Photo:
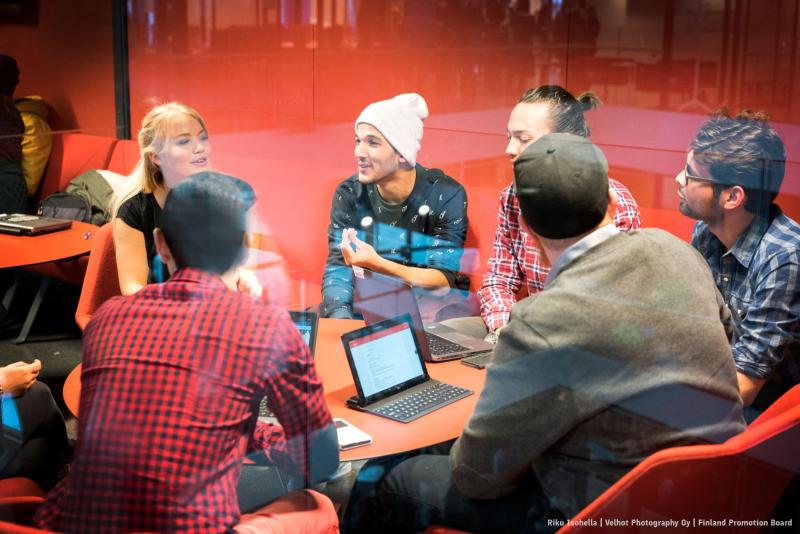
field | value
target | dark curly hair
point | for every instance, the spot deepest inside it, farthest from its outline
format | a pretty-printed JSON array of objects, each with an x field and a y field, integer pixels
[
  {"x": 745, "y": 151},
  {"x": 566, "y": 111}
]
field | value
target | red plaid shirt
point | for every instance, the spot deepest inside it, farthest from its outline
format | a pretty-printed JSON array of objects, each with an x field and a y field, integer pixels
[
  {"x": 516, "y": 255},
  {"x": 171, "y": 382}
]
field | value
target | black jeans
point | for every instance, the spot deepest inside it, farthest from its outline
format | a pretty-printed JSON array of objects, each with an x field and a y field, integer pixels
[
  {"x": 34, "y": 443},
  {"x": 400, "y": 494}
]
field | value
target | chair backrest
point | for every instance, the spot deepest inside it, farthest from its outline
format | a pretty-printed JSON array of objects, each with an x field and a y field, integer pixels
[
  {"x": 101, "y": 281},
  {"x": 124, "y": 157},
  {"x": 741, "y": 480},
  {"x": 74, "y": 154},
  {"x": 19, "y": 499},
  {"x": 8, "y": 527},
  {"x": 786, "y": 401},
  {"x": 19, "y": 487}
]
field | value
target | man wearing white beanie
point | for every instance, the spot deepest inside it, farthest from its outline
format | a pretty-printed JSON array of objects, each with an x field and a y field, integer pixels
[{"x": 393, "y": 216}]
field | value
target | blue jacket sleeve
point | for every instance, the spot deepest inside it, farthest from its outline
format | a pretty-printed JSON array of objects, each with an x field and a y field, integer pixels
[{"x": 337, "y": 281}]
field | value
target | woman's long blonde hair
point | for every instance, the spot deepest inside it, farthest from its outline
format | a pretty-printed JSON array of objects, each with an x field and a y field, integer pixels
[{"x": 155, "y": 131}]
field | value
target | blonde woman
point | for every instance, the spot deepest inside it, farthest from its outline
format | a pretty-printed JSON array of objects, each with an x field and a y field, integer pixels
[{"x": 174, "y": 145}]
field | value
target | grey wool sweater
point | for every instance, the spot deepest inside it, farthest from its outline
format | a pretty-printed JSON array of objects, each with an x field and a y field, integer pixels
[{"x": 623, "y": 354}]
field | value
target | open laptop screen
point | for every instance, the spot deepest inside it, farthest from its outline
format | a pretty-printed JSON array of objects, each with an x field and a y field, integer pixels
[{"x": 384, "y": 358}]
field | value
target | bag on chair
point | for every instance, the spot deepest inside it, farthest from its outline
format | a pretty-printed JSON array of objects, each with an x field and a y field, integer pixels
[{"x": 66, "y": 206}]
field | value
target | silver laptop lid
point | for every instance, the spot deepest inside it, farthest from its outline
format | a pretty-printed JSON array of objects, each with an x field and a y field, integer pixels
[{"x": 379, "y": 297}]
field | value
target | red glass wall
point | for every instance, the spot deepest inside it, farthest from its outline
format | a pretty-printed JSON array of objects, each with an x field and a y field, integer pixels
[{"x": 281, "y": 81}]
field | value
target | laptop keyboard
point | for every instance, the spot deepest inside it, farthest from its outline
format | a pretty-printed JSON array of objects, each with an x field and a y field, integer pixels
[
  {"x": 439, "y": 345},
  {"x": 422, "y": 402}
]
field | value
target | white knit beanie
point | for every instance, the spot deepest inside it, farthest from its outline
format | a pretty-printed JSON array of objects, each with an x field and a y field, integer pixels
[{"x": 399, "y": 119}]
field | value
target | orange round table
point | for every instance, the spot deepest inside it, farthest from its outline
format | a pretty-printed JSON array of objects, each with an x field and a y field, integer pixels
[
  {"x": 19, "y": 251},
  {"x": 388, "y": 437}
]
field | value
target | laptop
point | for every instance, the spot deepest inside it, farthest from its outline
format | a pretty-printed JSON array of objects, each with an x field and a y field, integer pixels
[
  {"x": 22, "y": 224},
  {"x": 390, "y": 374},
  {"x": 378, "y": 297},
  {"x": 306, "y": 323}
]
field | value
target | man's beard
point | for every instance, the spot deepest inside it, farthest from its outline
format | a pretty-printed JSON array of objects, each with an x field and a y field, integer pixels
[
  {"x": 687, "y": 210},
  {"x": 710, "y": 214}
]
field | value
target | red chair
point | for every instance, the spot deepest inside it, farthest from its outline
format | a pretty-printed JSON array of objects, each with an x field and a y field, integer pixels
[
  {"x": 19, "y": 499},
  {"x": 101, "y": 281},
  {"x": 100, "y": 284},
  {"x": 74, "y": 154},
  {"x": 19, "y": 486},
  {"x": 7, "y": 527},
  {"x": 124, "y": 157},
  {"x": 741, "y": 479},
  {"x": 785, "y": 403},
  {"x": 299, "y": 511}
]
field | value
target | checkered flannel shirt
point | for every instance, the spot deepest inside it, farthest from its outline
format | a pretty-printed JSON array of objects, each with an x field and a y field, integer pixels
[
  {"x": 759, "y": 278},
  {"x": 171, "y": 382},
  {"x": 516, "y": 256}
]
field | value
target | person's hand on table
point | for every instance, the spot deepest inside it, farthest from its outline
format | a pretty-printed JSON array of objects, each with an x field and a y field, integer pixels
[
  {"x": 18, "y": 377},
  {"x": 363, "y": 255},
  {"x": 491, "y": 337}
]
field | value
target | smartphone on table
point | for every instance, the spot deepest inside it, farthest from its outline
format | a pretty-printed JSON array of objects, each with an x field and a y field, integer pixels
[{"x": 350, "y": 436}]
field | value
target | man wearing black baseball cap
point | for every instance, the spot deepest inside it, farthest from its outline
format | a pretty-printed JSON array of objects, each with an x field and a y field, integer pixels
[{"x": 622, "y": 354}]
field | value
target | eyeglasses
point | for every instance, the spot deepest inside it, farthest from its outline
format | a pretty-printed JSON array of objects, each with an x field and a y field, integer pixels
[{"x": 689, "y": 176}]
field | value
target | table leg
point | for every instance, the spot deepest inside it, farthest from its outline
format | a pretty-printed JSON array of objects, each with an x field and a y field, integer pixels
[
  {"x": 11, "y": 291},
  {"x": 33, "y": 310}
]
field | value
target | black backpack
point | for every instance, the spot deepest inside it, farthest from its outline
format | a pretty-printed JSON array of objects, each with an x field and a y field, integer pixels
[{"x": 66, "y": 206}]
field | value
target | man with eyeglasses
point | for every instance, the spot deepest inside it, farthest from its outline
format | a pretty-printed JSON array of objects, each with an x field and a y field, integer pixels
[{"x": 733, "y": 173}]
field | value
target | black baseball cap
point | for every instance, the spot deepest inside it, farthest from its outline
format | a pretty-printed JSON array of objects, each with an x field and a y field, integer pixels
[{"x": 561, "y": 181}]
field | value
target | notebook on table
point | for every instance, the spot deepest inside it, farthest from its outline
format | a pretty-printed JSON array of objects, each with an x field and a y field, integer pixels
[
  {"x": 390, "y": 374},
  {"x": 22, "y": 224},
  {"x": 378, "y": 297}
]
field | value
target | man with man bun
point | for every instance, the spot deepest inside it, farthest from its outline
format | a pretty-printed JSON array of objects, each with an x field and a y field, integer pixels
[
  {"x": 516, "y": 259},
  {"x": 393, "y": 216}
]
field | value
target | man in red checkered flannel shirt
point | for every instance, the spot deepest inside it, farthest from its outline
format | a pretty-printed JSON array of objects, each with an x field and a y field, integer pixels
[
  {"x": 171, "y": 383},
  {"x": 516, "y": 257}
]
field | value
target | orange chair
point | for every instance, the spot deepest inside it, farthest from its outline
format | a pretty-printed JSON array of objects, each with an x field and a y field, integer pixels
[{"x": 101, "y": 281}]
